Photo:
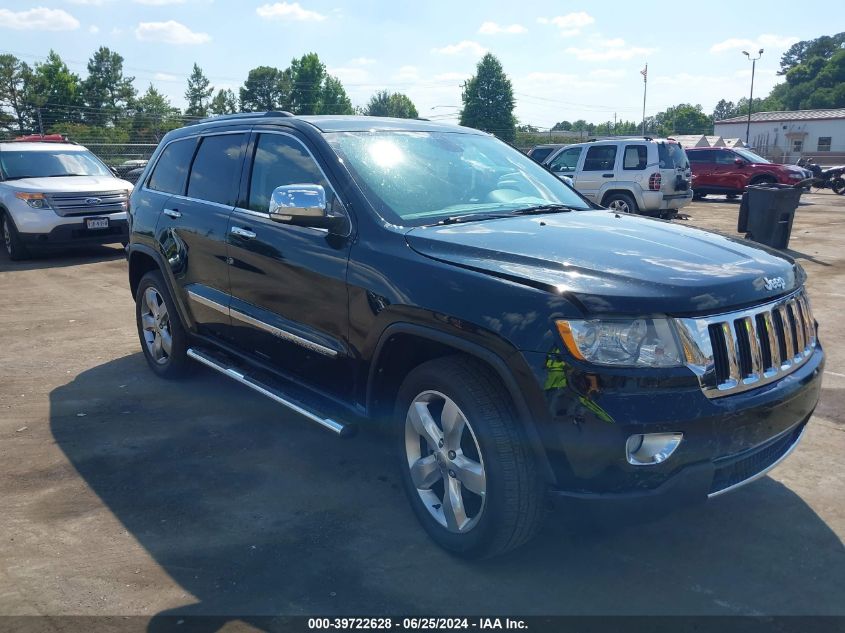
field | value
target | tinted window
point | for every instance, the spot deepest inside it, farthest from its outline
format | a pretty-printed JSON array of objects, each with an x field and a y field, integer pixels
[
  {"x": 567, "y": 160},
  {"x": 539, "y": 154},
  {"x": 600, "y": 158},
  {"x": 701, "y": 156},
  {"x": 281, "y": 160},
  {"x": 217, "y": 169},
  {"x": 636, "y": 157},
  {"x": 171, "y": 170},
  {"x": 725, "y": 158}
]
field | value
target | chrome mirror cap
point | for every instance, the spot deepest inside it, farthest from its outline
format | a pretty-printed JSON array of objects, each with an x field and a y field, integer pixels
[{"x": 292, "y": 201}]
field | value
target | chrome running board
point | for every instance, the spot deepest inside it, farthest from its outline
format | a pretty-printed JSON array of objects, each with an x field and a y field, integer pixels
[{"x": 340, "y": 428}]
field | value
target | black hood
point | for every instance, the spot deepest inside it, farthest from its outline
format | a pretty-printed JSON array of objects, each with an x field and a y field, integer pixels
[{"x": 614, "y": 263}]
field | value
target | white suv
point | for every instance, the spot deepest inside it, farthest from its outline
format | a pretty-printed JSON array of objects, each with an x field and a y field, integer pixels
[
  {"x": 56, "y": 194},
  {"x": 631, "y": 175}
]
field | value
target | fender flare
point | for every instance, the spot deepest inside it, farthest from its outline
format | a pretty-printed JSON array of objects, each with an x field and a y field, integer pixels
[
  {"x": 493, "y": 359},
  {"x": 182, "y": 309}
]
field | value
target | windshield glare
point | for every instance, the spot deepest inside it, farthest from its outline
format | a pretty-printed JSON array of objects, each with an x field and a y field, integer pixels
[
  {"x": 415, "y": 178},
  {"x": 750, "y": 156},
  {"x": 47, "y": 163}
]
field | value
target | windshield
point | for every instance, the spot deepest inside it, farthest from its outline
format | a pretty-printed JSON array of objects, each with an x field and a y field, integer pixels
[
  {"x": 48, "y": 163},
  {"x": 415, "y": 178},
  {"x": 751, "y": 156}
]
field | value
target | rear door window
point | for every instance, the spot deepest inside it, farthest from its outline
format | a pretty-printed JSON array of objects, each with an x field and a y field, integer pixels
[
  {"x": 636, "y": 157},
  {"x": 216, "y": 171},
  {"x": 171, "y": 170},
  {"x": 600, "y": 158}
]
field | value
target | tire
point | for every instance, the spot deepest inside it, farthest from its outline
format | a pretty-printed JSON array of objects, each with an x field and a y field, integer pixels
[
  {"x": 763, "y": 180},
  {"x": 621, "y": 203},
  {"x": 158, "y": 321},
  {"x": 490, "y": 455},
  {"x": 699, "y": 196},
  {"x": 838, "y": 186},
  {"x": 15, "y": 247},
  {"x": 733, "y": 196}
]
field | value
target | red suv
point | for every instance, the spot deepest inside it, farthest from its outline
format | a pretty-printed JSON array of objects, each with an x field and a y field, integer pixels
[{"x": 730, "y": 171}]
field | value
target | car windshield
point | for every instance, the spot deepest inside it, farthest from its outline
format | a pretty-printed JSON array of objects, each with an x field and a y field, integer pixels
[
  {"x": 751, "y": 156},
  {"x": 416, "y": 178},
  {"x": 44, "y": 163}
]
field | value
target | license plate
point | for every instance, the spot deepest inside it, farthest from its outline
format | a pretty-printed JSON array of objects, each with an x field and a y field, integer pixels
[{"x": 97, "y": 223}]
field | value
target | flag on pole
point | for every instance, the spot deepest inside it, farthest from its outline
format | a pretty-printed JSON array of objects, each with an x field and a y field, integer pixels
[{"x": 644, "y": 73}]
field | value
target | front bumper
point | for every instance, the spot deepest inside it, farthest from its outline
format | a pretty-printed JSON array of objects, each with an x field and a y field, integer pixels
[
  {"x": 727, "y": 441},
  {"x": 70, "y": 233}
]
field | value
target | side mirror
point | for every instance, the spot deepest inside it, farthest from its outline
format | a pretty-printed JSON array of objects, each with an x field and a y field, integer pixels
[
  {"x": 739, "y": 162},
  {"x": 114, "y": 171},
  {"x": 303, "y": 205}
]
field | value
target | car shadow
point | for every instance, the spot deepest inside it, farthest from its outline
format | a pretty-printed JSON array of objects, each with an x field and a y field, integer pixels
[
  {"x": 255, "y": 512},
  {"x": 61, "y": 258}
]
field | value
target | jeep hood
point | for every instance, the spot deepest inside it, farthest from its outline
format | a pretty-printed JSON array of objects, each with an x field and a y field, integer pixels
[
  {"x": 614, "y": 263},
  {"x": 69, "y": 184}
]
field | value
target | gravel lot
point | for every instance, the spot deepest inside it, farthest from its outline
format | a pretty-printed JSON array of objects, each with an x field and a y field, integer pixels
[{"x": 126, "y": 495}]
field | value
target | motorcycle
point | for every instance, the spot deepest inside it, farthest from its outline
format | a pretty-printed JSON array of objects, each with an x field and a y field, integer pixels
[{"x": 830, "y": 178}]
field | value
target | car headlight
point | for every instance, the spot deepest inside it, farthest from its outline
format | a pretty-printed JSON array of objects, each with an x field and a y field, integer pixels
[
  {"x": 35, "y": 200},
  {"x": 639, "y": 342}
]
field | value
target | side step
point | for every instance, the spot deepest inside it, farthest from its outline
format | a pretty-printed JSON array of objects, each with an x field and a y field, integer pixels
[{"x": 340, "y": 428}]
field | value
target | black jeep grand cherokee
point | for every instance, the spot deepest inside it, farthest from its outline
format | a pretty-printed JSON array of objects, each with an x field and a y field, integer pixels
[{"x": 516, "y": 339}]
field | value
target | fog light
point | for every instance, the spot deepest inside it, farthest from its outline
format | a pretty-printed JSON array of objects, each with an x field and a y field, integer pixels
[{"x": 651, "y": 448}]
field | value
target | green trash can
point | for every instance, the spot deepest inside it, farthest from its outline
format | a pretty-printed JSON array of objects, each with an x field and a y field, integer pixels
[{"x": 767, "y": 212}]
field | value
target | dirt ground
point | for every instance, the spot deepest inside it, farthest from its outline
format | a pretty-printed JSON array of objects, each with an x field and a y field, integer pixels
[{"x": 124, "y": 494}]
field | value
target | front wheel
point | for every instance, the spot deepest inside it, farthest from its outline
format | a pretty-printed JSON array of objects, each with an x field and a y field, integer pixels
[
  {"x": 469, "y": 474},
  {"x": 15, "y": 247},
  {"x": 163, "y": 339},
  {"x": 838, "y": 186}
]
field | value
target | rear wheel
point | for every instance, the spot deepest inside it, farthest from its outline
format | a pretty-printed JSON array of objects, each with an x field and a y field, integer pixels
[
  {"x": 15, "y": 248},
  {"x": 838, "y": 186},
  {"x": 471, "y": 479},
  {"x": 621, "y": 203},
  {"x": 163, "y": 339}
]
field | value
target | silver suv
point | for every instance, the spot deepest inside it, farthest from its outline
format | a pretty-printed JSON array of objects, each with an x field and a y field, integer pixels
[
  {"x": 57, "y": 194},
  {"x": 631, "y": 175}
]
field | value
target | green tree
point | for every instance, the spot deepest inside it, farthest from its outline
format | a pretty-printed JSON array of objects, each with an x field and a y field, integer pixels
[
  {"x": 15, "y": 86},
  {"x": 333, "y": 97},
  {"x": 266, "y": 88},
  {"x": 56, "y": 92},
  {"x": 725, "y": 110},
  {"x": 561, "y": 126},
  {"x": 154, "y": 115},
  {"x": 396, "y": 104},
  {"x": 488, "y": 100},
  {"x": 224, "y": 102},
  {"x": 106, "y": 92},
  {"x": 198, "y": 94},
  {"x": 683, "y": 118},
  {"x": 825, "y": 47},
  {"x": 307, "y": 74}
]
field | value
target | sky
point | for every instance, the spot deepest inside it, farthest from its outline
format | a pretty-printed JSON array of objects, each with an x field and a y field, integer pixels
[{"x": 567, "y": 60}]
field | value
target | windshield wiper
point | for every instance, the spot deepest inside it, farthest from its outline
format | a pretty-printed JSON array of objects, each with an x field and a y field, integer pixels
[
  {"x": 474, "y": 217},
  {"x": 63, "y": 175},
  {"x": 545, "y": 208},
  {"x": 19, "y": 177}
]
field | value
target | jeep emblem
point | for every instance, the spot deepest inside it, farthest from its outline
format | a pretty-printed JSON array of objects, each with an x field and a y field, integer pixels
[
  {"x": 775, "y": 283},
  {"x": 93, "y": 201}
]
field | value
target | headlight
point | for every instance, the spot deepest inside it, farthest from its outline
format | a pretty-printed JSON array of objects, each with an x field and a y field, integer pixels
[
  {"x": 622, "y": 342},
  {"x": 35, "y": 200}
]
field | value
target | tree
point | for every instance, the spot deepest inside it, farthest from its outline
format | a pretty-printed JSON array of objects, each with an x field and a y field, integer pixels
[
  {"x": 307, "y": 74},
  {"x": 154, "y": 115},
  {"x": 725, "y": 110},
  {"x": 396, "y": 104},
  {"x": 333, "y": 97},
  {"x": 224, "y": 102},
  {"x": 683, "y": 118},
  {"x": 56, "y": 91},
  {"x": 198, "y": 94},
  {"x": 15, "y": 85},
  {"x": 561, "y": 126},
  {"x": 106, "y": 92},
  {"x": 825, "y": 47},
  {"x": 488, "y": 100},
  {"x": 266, "y": 88}
]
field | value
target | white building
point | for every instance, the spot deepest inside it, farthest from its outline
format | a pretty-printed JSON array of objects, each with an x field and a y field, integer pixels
[{"x": 787, "y": 136}]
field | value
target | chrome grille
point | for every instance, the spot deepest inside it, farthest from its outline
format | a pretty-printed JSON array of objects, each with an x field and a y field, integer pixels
[
  {"x": 73, "y": 204},
  {"x": 742, "y": 350}
]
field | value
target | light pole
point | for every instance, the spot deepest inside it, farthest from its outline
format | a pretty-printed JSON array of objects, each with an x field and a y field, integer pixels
[{"x": 751, "y": 98}]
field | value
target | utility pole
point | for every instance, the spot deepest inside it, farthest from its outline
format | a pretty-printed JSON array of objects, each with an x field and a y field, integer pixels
[
  {"x": 644, "y": 73},
  {"x": 751, "y": 97}
]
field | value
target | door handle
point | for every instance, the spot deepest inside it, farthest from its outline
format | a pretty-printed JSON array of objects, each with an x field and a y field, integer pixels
[
  {"x": 173, "y": 213},
  {"x": 240, "y": 232},
  {"x": 607, "y": 175}
]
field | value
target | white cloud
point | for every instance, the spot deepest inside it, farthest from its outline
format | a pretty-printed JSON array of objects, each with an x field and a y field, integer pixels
[
  {"x": 288, "y": 11},
  {"x": 571, "y": 23},
  {"x": 609, "y": 50},
  {"x": 38, "y": 19},
  {"x": 349, "y": 75},
  {"x": 451, "y": 76},
  {"x": 778, "y": 42},
  {"x": 165, "y": 77},
  {"x": 158, "y": 3},
  {"x": 464, "y": 46},
  {"x": 96, "y": 3},
  {"x": 492, "y": 28},
  {"x": 362, "y": 61},
  {"x": 170, "y": 32},
  {"x": 407, "y": 73},
  {"x": 94, "y": 29},
  {"x": 607, "y": 73}
]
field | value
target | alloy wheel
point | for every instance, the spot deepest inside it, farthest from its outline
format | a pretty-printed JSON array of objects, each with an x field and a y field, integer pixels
[
  {"x": 7, "y": 235},
  {"x": 619, "y": 206},
  {"x": 445, "y": 461},
  {"x": 155, "y": 321}
]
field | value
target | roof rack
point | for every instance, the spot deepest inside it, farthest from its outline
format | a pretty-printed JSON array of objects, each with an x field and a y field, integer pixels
[{"x": 245, "y": 115}]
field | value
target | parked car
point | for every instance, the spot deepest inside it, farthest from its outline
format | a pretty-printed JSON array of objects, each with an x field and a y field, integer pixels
[
  {"x": 540, "y": 152},
  {"x": 516, "y": 341},
  {"x": 722, "y": 170},
  {"x": 57, "y": 193},
  {"x": 633, "y": 175}
]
